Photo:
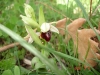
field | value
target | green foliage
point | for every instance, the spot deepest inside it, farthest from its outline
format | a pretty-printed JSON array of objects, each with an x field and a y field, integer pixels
[
  {"x": 10, "y": 13},
  {"x": 16, "y": 70},
  {"x": 10, "y": 72},
  {"x": 52, "y": 58},
  {"x": 37, "y": 64},
  {"x": 7, "y": 72},
  {"x": 4, "y": 63}
]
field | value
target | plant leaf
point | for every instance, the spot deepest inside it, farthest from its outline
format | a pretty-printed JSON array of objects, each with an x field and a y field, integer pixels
[
  {"x": 37, "y": 64},
  {"x": 7, "y": 72},
  {"x": 16, "y": 70}
]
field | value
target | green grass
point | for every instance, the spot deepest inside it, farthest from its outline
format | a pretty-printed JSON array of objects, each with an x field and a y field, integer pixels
[{"x": 54, "y": 56}]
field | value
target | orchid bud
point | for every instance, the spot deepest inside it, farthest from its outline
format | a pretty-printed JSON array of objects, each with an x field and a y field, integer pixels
[
  {"x": 29, "y": 21},
  {"x": 29, "y": 11}
]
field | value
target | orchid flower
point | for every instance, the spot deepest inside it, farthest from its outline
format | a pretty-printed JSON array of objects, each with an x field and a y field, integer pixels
[{"x": 44, "y": 29}]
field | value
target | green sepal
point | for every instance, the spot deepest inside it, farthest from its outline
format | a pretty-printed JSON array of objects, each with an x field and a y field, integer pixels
[
  {"x": 30, "y": 21},
  {"x": 41, "y": 16}
]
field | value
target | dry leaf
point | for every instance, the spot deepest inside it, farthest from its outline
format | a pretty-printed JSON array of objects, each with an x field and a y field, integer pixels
[
  {"x": 87, "y": 48},
  {"x": 73, "y": 27},
  {"x": 87, "y": 45},
  {"x": 61, "y": 25}
]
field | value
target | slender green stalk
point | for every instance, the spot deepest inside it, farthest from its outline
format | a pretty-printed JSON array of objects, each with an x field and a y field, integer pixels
[{"x": 87, "y": 50}]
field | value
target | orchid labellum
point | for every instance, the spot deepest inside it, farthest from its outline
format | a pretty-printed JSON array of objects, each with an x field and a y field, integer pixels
[{"x": 46, "y": 29}]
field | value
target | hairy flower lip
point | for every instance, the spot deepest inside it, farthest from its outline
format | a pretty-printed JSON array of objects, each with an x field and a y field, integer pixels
[{"x": 46, "y": 35}]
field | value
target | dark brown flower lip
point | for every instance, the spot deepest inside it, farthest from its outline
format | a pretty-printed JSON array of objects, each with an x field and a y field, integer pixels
[{"x": 46, "y": 35}]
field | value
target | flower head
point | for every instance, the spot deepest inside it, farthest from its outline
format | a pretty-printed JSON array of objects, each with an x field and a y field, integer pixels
[{"x": 46, "y": 29}]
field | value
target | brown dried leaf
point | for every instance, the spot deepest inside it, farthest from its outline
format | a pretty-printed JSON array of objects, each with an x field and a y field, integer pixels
[
  {"x": 73, "y": 27},
  {"x": 82, "y": 40},
  {"x": 87, "y": 45},
  {"x": 61, "y": 25}
]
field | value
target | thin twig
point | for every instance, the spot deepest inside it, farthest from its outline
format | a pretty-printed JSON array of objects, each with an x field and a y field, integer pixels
[
  {"x": 99, "y": 26},
  {"x": 8, "y": 46},
  {"x": 4, "y": 48},
  {"x": 90, "y": 9},
  {"x": 94, "y": 13}
]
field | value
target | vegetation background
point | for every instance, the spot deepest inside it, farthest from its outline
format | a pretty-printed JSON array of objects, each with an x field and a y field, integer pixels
[{"x": 11, "y": 61}]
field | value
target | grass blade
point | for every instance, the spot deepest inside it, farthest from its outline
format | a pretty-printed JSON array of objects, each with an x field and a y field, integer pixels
[
  {"x": 30, "y": 48},
  {"x": 86, "y": 16}
]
